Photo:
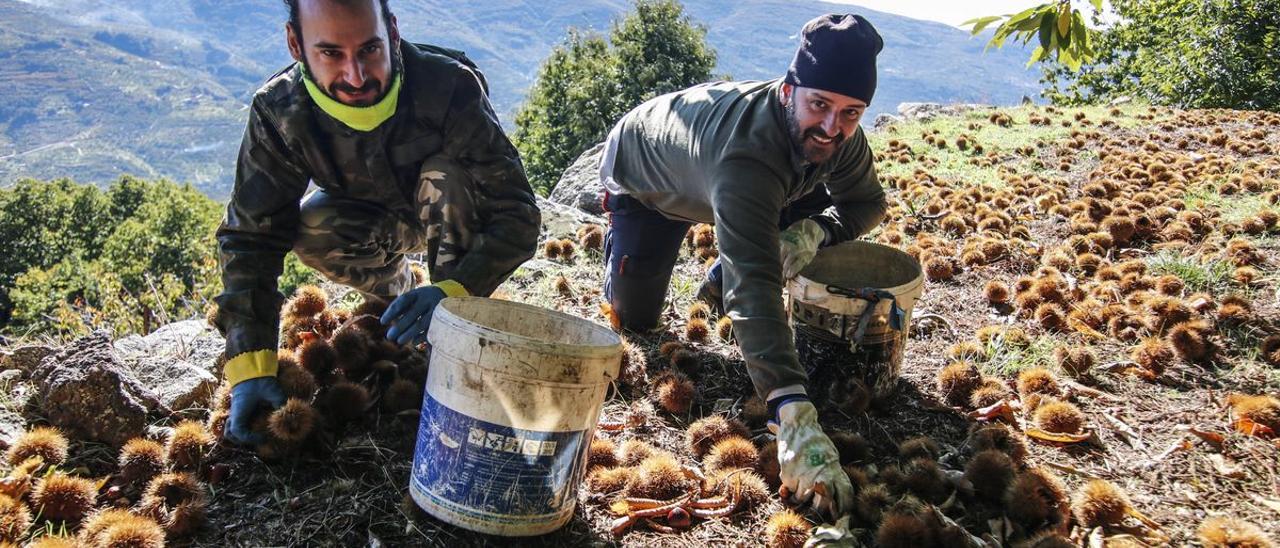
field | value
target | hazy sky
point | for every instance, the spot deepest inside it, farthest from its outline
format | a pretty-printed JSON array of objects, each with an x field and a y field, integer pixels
[{"x": 946, "y": 11}]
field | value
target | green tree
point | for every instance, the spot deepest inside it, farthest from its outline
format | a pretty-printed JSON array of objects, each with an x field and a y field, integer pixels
[
  {"x": 1184, "y": 53},
  {"x": 587, "y": 83},
  {"x": 659, "y": 50},
  {"x": 570, "y": 107},
  {"x": 42, "y": 223},
  {"x": 139, "y": 254}
]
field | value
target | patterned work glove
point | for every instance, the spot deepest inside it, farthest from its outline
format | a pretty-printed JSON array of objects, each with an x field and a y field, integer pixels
[
  {"x": 800, "y": 243},
  {"x": 809, "y": 461}
]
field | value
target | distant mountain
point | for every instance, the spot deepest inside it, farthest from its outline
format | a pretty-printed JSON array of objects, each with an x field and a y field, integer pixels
[{"x": 103, "y": 87}]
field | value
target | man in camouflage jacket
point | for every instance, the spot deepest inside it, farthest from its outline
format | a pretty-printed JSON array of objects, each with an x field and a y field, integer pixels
[{"x": 408, "y": 157}]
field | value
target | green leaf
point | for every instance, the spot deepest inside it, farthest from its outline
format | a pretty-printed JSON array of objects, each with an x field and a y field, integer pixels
[
  {"x": 1047, "y": 24},
  {"x": 1080, "y": 38},
  {"x": 981, "y": 23},
  {"x": 1032, "y": 23},
  {"x": 1036, "y": 56},
  {"x": 1097, "y": 4},
  {"x": 1027, "y": 14}
]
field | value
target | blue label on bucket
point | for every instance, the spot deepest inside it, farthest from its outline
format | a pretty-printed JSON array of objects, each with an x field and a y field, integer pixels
[{"x": 486, "y": 471}]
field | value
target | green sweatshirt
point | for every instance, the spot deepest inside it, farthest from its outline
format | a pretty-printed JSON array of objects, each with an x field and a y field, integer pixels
[{"x": 719, "y": 153}]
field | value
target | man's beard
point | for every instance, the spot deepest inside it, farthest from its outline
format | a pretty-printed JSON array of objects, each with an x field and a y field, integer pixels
[
  {"x": 800, "y": 142},
  {"x": 370, "y": 85}
]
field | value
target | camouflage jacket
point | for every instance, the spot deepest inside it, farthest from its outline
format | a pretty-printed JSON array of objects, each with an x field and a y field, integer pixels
[{"x": 289, "y": 142}]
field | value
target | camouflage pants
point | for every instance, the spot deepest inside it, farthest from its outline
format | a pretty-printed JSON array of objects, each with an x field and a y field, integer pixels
[{"x": 363, "y": 244}]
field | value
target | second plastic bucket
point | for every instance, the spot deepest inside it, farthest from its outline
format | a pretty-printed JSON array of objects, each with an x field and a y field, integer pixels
[{"x": 851, "y": 308}]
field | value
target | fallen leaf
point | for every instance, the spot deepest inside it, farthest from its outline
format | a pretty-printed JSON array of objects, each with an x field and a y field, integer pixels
[
  {"x": 998, "y": 410},
  {"x": 1250, "y": 428},
  {"x": 1212, "y": 438},
  {"x": 1125, "y": 431},
  {"x": 611, "y": 426},
  {"x": 606, "y": 310},
  {"x": 1055, "y": 437},
  {"x": 1084, "y": 329},
  {"x": 15, "y": 487}
]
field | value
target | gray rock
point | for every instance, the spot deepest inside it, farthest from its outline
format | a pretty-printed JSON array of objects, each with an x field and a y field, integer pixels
[
  {"x": 190, "y": 340},
  {"x": 562, "y": 221},
  {"x": 11, "y": 426},
  {"x": 85, "y": 390},
  {"x": 884, "y": 120},
  {"x": 176, "y": 383},
  {"x": 25, "y": 358},
  {"x": 579, "y": 185},
  {"x": 929, "y": 111},
  {"x": 178, "y": 362}
]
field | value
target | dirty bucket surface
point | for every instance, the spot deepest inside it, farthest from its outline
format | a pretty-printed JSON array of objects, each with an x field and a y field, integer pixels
[
  {"x": 513, "y": 395},
  {"x": 826, "y": 318}
]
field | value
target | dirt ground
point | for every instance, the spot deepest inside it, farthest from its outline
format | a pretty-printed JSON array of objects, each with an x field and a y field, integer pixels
[{"x": 1144, "y": 444}]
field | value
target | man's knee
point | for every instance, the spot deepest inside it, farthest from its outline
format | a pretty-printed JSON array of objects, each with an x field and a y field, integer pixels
[{"x": 349, "y": 242}]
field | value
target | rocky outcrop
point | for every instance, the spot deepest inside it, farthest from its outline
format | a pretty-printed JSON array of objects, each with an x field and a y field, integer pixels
[
  {"x": 86, "y": 390},
  {"x": 177, "y": 362},
  {"x": 579, "y": 185},
  {"x": 929, "y": 111}
]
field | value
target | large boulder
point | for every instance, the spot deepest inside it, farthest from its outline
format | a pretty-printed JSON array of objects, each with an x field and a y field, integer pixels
[
  {"x": 11, "y": 421},
  {"x": 579, "y": 185},
  {"x": 178, "y": 384},
  {"x": 191, "y": 340},
  {"x": 177, "y": 362},
  {"x": 85, "y": 390}
]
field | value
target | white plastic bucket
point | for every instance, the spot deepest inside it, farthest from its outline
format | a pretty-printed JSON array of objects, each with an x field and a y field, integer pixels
[{"x": 513, "y": 395}]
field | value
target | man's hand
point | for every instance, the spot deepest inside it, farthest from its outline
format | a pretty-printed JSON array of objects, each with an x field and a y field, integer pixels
[
  {"x": 809, "y": 461},
  {"x": 410, "y": 314},
  {"x": 246, "y": 397},
  {"x": 800, "y": 243}
]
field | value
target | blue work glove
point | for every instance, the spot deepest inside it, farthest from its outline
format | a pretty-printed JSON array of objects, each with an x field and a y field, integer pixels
[
  {"x": 246, "y": 397},
  {"x": 410, "y": 314}
]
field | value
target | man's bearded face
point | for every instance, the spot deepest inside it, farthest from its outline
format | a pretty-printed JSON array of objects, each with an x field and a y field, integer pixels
[
  {"x": 348, "y": 48},
  {"x": 819, "y": 121}
]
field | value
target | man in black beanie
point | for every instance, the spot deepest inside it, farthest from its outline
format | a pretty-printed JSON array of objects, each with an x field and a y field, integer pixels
[{"x": 781, "y": 168}]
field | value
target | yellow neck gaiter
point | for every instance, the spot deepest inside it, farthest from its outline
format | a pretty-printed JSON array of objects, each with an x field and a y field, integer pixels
[{"x": 357, "y": 118}]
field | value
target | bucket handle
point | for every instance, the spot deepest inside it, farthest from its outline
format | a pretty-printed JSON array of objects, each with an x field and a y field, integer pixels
[{"x": 873, "y": 296}]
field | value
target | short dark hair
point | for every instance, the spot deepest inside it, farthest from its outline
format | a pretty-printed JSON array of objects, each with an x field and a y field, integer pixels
[{"x": 296, "y": 24}]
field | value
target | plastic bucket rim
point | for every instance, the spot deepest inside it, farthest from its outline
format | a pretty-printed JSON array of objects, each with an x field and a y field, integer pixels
[
  {"x": 446, "y": 313},
  {"x": 914, "y": 284}
]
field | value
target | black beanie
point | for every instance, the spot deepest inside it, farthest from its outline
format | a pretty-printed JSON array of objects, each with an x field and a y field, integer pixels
[{"x": 837, "y": 54}]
